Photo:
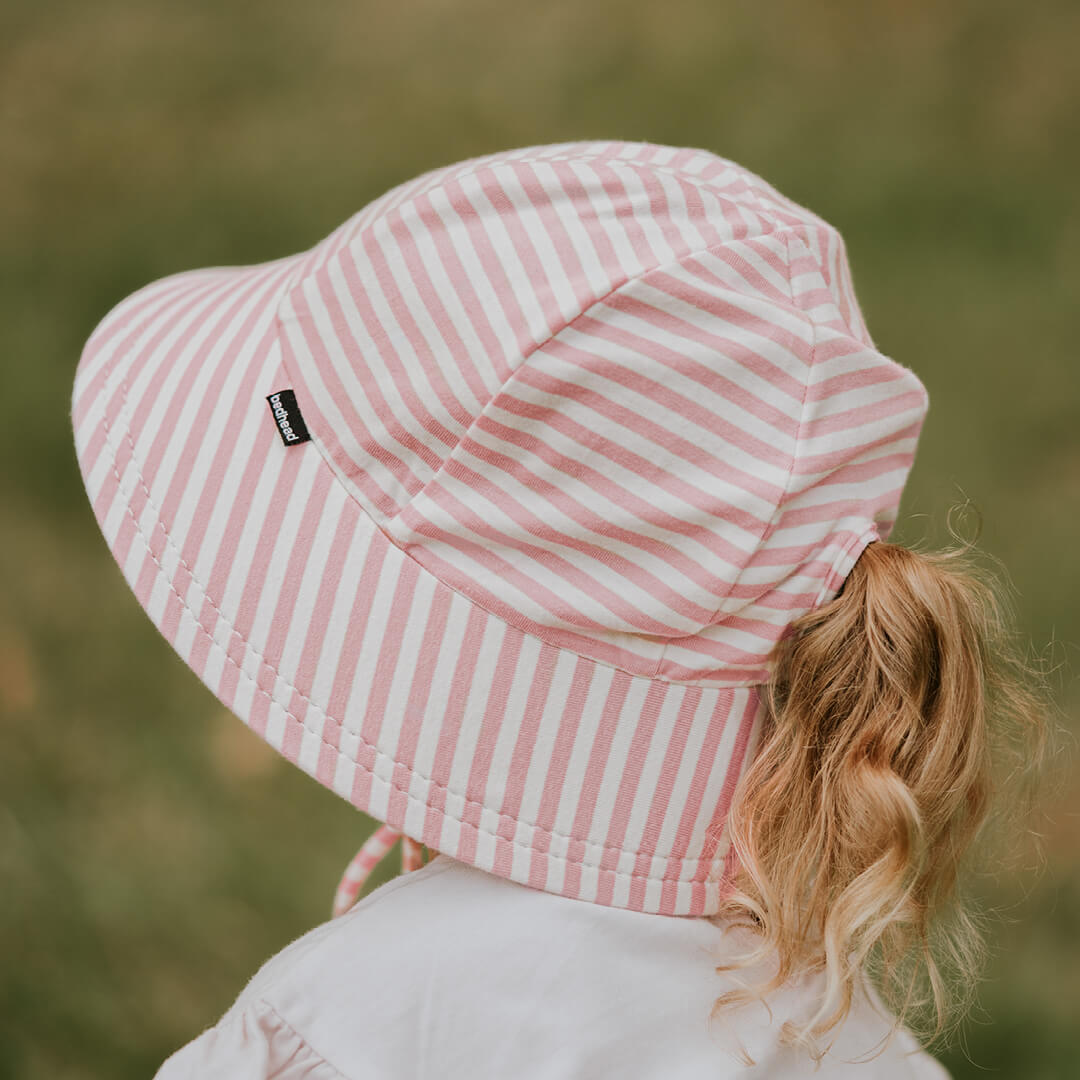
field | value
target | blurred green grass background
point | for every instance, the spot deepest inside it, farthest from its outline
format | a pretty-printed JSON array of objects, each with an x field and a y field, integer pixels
[{"x": 153, "y": 852}]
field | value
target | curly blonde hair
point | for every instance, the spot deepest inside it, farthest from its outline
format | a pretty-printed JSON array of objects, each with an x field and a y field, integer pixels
[{"x": 875, "y": 772}]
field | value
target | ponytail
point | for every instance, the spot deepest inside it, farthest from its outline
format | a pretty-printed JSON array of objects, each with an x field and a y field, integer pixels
[{"x": 873, "y": 776}]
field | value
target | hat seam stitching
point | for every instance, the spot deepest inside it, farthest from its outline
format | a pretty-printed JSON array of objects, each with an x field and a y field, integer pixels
[
  {"x": 783, "y": 234},
  {"x": 466, "y": 800},
  {"x": 871, "y": 532},
  {"x": 812, "y": 324}
]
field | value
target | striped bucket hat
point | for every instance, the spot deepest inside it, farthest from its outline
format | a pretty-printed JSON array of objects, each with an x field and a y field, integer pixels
[{"x": 487, "y": 510}]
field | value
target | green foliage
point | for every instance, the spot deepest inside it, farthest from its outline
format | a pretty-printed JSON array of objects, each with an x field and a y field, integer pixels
[{"x": 152, "y": 851}]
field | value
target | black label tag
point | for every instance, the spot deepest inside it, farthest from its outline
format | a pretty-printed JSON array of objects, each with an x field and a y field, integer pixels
[{"x": 290, "y": 423}]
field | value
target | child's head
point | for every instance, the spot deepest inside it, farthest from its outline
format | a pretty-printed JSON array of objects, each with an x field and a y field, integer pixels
[{"x": 489, "y": 510}]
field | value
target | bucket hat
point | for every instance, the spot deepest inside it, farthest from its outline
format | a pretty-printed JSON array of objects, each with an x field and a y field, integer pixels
[{"x": 488, "y": 509}]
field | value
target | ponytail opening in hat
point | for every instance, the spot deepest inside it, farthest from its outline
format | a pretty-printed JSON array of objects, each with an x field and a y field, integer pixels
[{"x": 887, "y": 709}]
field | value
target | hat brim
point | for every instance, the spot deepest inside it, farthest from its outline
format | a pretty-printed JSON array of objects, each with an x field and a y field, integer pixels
[{"x": 397, "y": 692}]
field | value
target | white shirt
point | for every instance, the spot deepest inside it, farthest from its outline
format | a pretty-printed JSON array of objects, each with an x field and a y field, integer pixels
[{"x": 448, "y": 973}]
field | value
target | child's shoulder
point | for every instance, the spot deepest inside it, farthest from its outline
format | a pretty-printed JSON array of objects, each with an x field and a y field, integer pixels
[
  {"x": 309, "y": 957},
  {"x": 452, "y": 972}
]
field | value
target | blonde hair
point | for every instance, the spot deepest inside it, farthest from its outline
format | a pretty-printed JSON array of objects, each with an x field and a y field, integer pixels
[{"x": 875, "y": 771}]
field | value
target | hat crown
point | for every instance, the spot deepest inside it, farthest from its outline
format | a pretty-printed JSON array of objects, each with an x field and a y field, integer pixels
[{"x": 620, "y": 395}]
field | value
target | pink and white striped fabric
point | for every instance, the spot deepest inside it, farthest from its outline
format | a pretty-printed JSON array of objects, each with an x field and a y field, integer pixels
[{"x": 590, "y": 423}]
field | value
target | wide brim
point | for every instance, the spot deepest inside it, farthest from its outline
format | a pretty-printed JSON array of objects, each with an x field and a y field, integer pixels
[{"x": 350, "y": 658}]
